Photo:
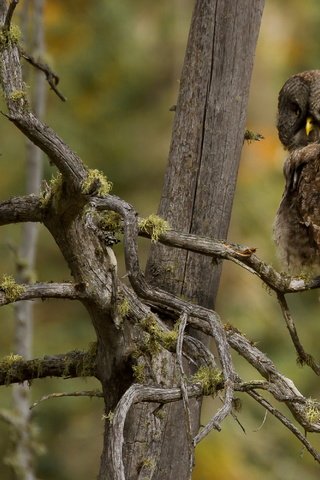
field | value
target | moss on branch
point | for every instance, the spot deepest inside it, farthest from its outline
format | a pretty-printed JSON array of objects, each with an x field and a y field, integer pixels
[
  {"x": 211, "y": 379},
  {"x": 11, "y": 289},
  {"x": 154, "y": 226},
  {"x": 12, "y": 35},
  {"x": 96, "y": 183}
]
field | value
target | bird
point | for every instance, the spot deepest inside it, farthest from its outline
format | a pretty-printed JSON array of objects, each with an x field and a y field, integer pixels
[{"x": 296, "y": 228}]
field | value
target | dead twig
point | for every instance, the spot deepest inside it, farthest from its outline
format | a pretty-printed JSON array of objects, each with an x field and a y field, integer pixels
[
  {"x": 286, "y": 422},
  {"x": 185, "y": 399},
  {"x": 51, "y": 77},
  {"x": 303, "y": 357},
  {"x": 84, "y": 393},
  {"x": 10, "y": 11}
]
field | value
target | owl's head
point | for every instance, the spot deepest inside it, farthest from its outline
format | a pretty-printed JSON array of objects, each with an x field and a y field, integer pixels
[{"x": 299, "y": 110}]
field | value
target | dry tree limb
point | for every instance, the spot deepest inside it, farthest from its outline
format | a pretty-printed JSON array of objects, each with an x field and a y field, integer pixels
[
  {"x": 69, "y": 164},
  {"x": 184, "y": 392},
  {"x": 28, "y": 208},
  {"x": 84, "y": 393},
  {"x": 75, "y": 173},
  {"x": 13, "y": 369},
  {"x": 51, "y": 77},
  {"x": 16, "y": 292},
  {"x": 303, "y": 357},
  {"x": 287, "y": 423},
  {"x": 229, "y": 378},
  {"x": 164, "y": 299},
  {"x": 135, "y": 394},
  {"x": 9, "y": 15},
  {"x": 281, "y": 387},
  {"x": 239, "y": 254}
]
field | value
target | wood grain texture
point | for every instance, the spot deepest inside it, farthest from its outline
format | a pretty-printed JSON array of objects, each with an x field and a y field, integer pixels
[{"x": 207, "y": 140}]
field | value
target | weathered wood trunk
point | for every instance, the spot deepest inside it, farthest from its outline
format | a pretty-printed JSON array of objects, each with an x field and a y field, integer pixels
[
  {"x": 207, "y": 140},
  {"x": 197, "y": 195},
  {"x": 197, "y": 198}
]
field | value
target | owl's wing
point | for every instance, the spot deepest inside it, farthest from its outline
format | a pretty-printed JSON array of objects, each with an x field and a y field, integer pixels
[{"x": 305, "y": 181}]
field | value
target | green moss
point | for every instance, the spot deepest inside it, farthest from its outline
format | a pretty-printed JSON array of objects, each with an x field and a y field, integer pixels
[
  {"x": 148, "y": 463},
  {"x": 109, "y": 221},
  {"x": 209, "y": 378},
  {"x": 52, "y": 190},
  {"x": 12, "y": 358},
  {"x": 139, "y": 373},
  {"x": 312, "y": 411},
  {"x": 11, "y": 289},
  {"x": 251, "y": 136},
  {"x": 158, "y": 337},
  {"x": 154, "y": 226},
  {"x": 123, "y": 308},
  {"x": 160, "y": 413},
  {"x": 17, "y": 95},
  {"x": 97, "y": 183},
  {"x": 13, "y": 35},
  {"x": 11, "y": 366},
  {"x": 85, "y": 366}
]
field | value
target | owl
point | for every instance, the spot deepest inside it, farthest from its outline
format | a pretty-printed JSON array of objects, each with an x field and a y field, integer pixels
[{"x": 297, "y": 222}]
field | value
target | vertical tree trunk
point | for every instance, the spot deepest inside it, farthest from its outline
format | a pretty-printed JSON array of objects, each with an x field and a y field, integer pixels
[
  {"x": 197, "y": 197},
  {"x": 200, "y": 179},
  {"x": 206, "y": 143}
]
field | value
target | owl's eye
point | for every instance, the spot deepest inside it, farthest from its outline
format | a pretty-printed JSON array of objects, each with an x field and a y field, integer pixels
[{"x": 296, "y": 109}]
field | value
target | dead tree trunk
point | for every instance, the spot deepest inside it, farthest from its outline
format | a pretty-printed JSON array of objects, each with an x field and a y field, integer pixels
[
  {"x": 199, "y": 186},
  {"x": 143, "y": 362},
  {"x": 206, "y": 143}
]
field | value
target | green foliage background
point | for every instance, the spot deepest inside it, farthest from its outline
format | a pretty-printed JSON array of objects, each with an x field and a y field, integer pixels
[{"x": 119, "y": 64}]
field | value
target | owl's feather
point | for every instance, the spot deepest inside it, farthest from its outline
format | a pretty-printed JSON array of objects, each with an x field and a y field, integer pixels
[{"x": 297, "y": 223}]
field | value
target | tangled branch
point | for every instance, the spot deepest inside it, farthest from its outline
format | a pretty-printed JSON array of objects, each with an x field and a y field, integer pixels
[{"x": 142, "y": 297}]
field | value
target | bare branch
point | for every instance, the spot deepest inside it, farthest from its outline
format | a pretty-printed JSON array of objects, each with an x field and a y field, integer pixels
[
  {"x": 13, "y": 369},
  {"x": 10, "y": 11},
  {"x": 303, "y": 357},
  {"x": 182, "y": 326},
  {"x": 84, "y": 393},
  {"x": 43, "y": 290},
  {"x": 229, "y": 377},
  {"x": 22, "y": 209},
  {"x": 69, "y": 164},
  {"x": 135, "y": 394},
  {"x": 51, "y": 77},
  {"x": 281, "y": 387},
  {"x": 239, "y": 254},
  {"x": 286, "y": 422},
  {"x": 161, "y": 298}
]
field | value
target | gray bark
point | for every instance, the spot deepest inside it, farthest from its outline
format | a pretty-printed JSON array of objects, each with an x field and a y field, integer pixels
[
  {"x": 207, "y": 140},
  {"x": 198, "y": 192}
]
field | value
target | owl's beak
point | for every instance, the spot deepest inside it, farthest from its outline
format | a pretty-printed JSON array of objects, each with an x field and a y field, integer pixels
[{"x": 309, "y": 125}]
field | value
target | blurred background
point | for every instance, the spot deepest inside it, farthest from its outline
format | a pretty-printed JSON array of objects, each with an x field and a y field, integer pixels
[{"x": 119, "y": 63}]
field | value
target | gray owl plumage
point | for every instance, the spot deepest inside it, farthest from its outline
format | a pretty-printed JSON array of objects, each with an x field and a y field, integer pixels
[{"x": 297, "y": 223}]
